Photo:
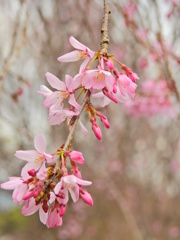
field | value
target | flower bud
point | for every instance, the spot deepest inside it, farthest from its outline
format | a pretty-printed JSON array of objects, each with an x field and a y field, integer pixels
[
  {"x": 97, "y": 131},
  {"x": 86, "y": 197},
  {"x": 28, "y": 195},
  {"x": 110, "y": 95},
  {"x": 76, "y": 156},
  {"x": 32, "y": 173},
  {"x": 62, "y": 209}
]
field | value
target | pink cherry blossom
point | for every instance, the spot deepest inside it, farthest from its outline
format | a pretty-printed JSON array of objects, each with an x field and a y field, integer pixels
[
  {"x": 125, "y": 85},
  {"x": 83, "y": 52},
  {"x": 65, "y": 90},
  {"x": 96, "y": 79},
  {"x": 76, "y": 156},
  {"x": 20, "y": 188},
  {"x": 35, "y": 158},
  {"x": 70, "y": 183}
]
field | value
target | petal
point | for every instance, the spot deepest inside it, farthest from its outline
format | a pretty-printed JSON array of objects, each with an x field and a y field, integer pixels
[
  {"x": 31, "y": 209},
  {"x": 76, "y": 44},
  {"x": 26, "y": 155},
  {"x": 44, "y": 91},
  {"x": 27, "y": 167},
  {"x": 69, "y": 83},
  {"x": 42, "y": 173},
  {"x": 74, "y": 191},
  {"x": 49, "y": 158},
  {"x": 83, "y": 182},
  {"x": 53, "y": 99},
  {"x": 70, "y": 57},
  {"x": 19, "y": 193},
  {"x": 98, "y": 95},
  {"x": 43, "y": 215},
  {"x": 52, "y": 197},
  {"x": 83, "y": 65},
  {"x": 11, "y": 184},
  {"x": 83, "y": 129},
  {"x": 58, "y": 187},
  {"x": 55, "y": 82},
  {"x": 72, "y": 101},
  {"x": 40, "y": 143}
]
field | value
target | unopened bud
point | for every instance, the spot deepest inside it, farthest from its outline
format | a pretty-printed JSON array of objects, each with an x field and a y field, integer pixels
[
  {"x": 32, "y": 173},
  {"x": 97, "y": 131},
  {"x": 28, "y": 195}
]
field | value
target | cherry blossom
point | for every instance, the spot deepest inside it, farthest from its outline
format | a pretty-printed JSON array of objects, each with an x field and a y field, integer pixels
[{"x": 35, "y": 158}]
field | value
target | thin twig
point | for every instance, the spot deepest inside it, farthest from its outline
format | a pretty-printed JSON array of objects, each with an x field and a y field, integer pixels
[{"x": 71, "y": 133}]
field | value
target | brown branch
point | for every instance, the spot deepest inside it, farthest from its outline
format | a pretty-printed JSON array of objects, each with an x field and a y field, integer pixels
[
  {"x": 104, "y": 29},
  {"x": 71, "y": 133}
]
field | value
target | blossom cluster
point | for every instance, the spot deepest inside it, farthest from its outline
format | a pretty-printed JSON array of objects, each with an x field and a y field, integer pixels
[
  {"x": 45, "y": 184},
  {"x": 154, "y": 98},
  {"x": 104, "y": 82},
  {"x": 40, "y": 190}
]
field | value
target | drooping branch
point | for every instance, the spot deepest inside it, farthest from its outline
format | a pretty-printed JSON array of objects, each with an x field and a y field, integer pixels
[
  {"x": 104, "y": 49},
  {"x": 104, "y": 29},
  {"x": 71, "y": 133}
]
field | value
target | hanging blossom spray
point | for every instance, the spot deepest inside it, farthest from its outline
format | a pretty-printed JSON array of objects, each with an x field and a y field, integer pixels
[{"x": 44, "y": 184}]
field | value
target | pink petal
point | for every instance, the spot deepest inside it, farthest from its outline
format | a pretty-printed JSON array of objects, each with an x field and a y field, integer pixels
[
  {"x": 40, "y": 143},
  {"x": 11, "y": 184},
  {"x": 44, "y": 91},
  {"x": 83, "y": 65},
  {"x": 53, "y": 99},
  {"x": 42, "y": 173},
  {"x": 26, "y": 155},
  {"x": 70, "y": 57},
  {"x": 74, "y": 191},
  {"x": 43, "y": 215},
  {"x": 72, "y": 101},
  {"x": 69, "y": 83},
  {"x": 31, "y": 209},
  {"x": 19, "y": 193},
  {"x": 83, "y": 129},
  {"x": 52, "y": 197},
  {"x": 76, "y": 44},
  {"x": 83, "y": 182},
  {"x": 55, "y": 82},
  {"x": 49, "y": 158},
  {"x": 58, "y": 187},
  {"x": 54, "y": 219},
  {"x": 27, "y": 167}
]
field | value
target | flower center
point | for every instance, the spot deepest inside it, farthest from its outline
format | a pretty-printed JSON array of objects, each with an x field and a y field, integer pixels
[
  {"x": 81, "y": 55},
  {"x": 39, "y": 159},
  {"x": 100, "y": 76}
]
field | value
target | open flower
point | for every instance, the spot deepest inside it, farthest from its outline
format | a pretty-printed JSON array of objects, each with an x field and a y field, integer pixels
[
  {"x": 72, "y": 184},
  {"x": 35, "y": 158}
]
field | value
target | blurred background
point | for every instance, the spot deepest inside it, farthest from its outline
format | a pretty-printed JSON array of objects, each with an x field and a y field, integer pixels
[{"x": 135, "y": 170}]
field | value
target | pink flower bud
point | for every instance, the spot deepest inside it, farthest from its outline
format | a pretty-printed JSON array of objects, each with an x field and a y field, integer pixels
[
  {"x": 109, "y": 64},
  {"x": 36, "y": 193},
  {"x": 76, "y": 172},
  {"x": 114, "y": 89},
  {"x": 62, "y": 210},
  {"x": 76, "y": 156},
  {"x": 86, "y": 197},
  {"x": 116, "y": 73},
  {"x": 28, "y": 195},
  {"x": 97, "y": 131},
  {"x": 32, "y": 173},
  {"x": 110, "y": 95},
  {"x": 105, "y": 121}
]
